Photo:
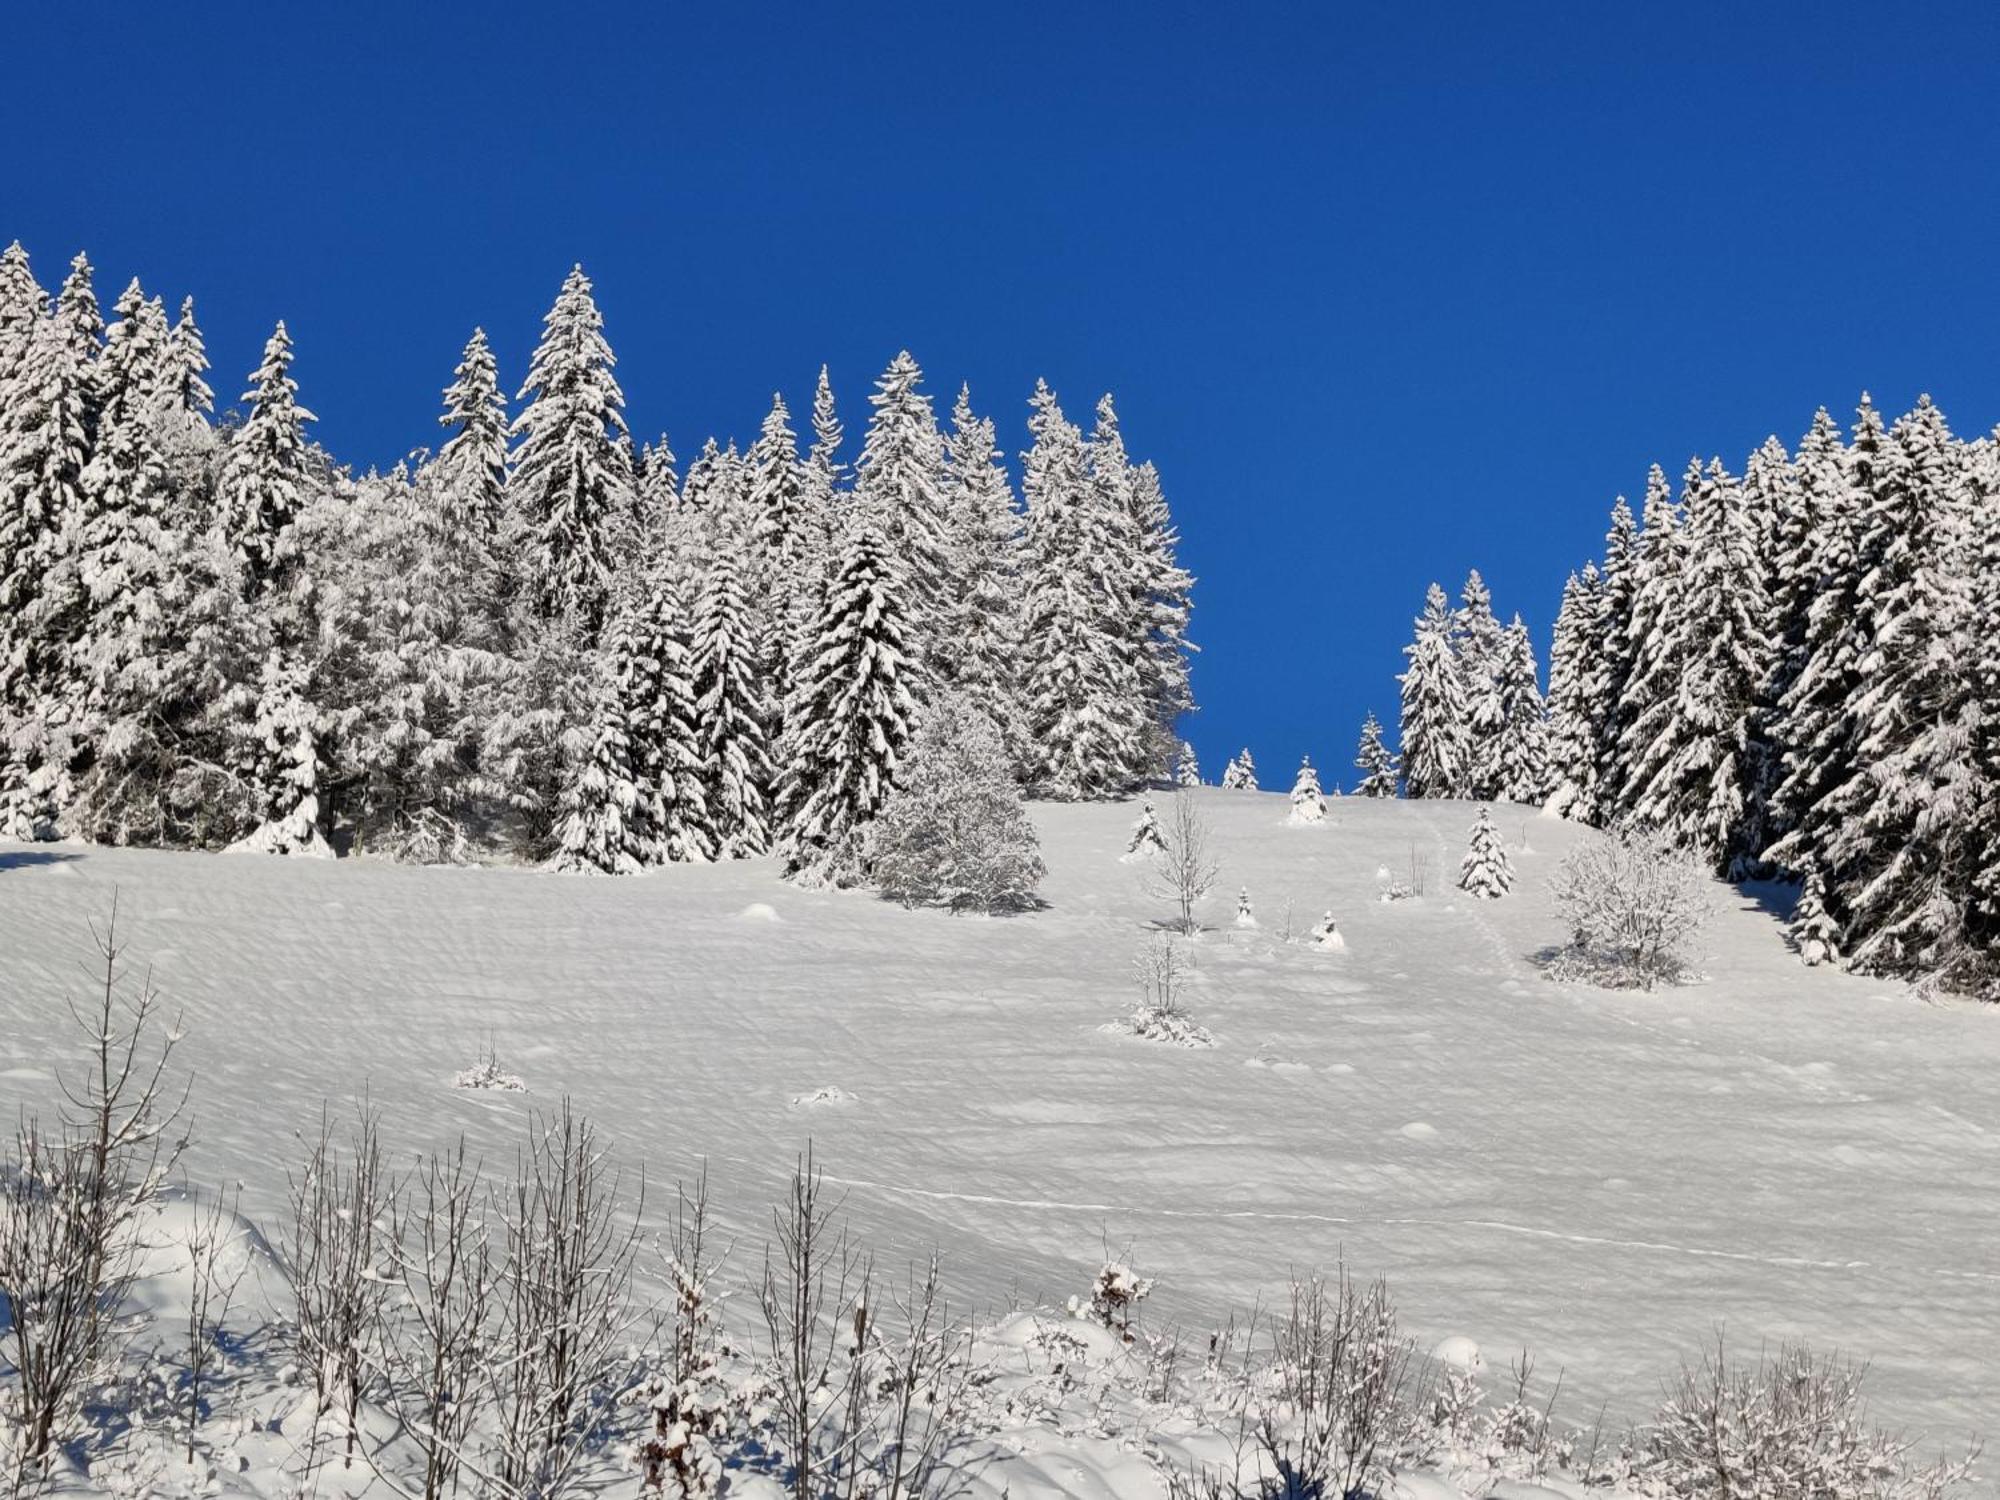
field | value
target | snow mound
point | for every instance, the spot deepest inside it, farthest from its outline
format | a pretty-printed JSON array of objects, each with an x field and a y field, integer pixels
[
  {"x": 759, "y": 911},
  {"x": 1460, "y": 1353},
  {"x": 830, "y": 1094}
]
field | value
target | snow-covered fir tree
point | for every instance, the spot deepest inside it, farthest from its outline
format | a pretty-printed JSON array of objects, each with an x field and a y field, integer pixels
[
  {"x": 1240, "y": 775},
  {"x": 1308, "y": 801},
  {"x": 603, "y": 826},
  {"x": 667, "y": 732},
  {"x": 1375, "y": 761},
  {"x": 472, "y": 464},
  {"x": 1486, "y": 873},
  {"x": 265, "y": 484},
  {"x": 782, "y": 551},
  {"x": 1187, "y": 769},
  {"x": 732, "y": 717},
  {"x": 954, "y": 832},
  {"x": 980, "y": 644},
  {"x": 189, "y": 394},
  {"x": 1521, "y": 755},
  {"x": 853, "y": 717},
  {"x": 1436, "y": 729},
  {"x": 1147, "y": 838},
  {"x": 1479, "y": 648},
  {"x": 572, "y": 474},
  {"x": 1660, "y": 650},
  {"x": 899, "y": 492},
  {"x": 1814, "y": 934},
  {"x": 1573, "y": 713}
]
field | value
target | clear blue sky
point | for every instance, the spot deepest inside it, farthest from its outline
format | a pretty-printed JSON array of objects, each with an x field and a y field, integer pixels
[{"x": 1387, "y": 292}]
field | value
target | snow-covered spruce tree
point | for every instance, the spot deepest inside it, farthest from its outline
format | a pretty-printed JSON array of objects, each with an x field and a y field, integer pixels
[
  {"x": 23, "y": 306},
  {"x": 1611, "y": 659},
  {"x": 825, "y": 513},
  {"x": 1435, "y": 736},
  {"x": 1486, "y": 873},
  {"x": 981, "y": 637},
  {"x": 852, "y": 719},
  {"x": 1706, "y": 791},
  {"x": 1308, "y": 801},
  {"x": 1136, "y": 533},
  {"x": 1240, "y": 775},
  {"x": 188, "y": 393},
  {"x": 123, "y": 553},
  {"x": 1522, "y": 755},
  {"x": 779, "y": 549},
  {"x": 466, "y": 492},
  {"x": 666, "y": 732},
  {"x": 572, "y": 478},
  {"x": 899, "y": 492},
  {"x": 603, "y": 827},
  {"x": 732, "y": 717},
  {"x": 1660, "y": 649},
  {"x": 1812, "y": 725},
  {"x": 1375, "y": 762},
  {"x": 1187, "y": 769},
  {"x": 1085, "y": 718},
  {"x": 1147, "y": 837},
  {"x": 1573, "y": 714},
  {"x": 264, "y": 488},
  {"x": 954, "y": 833},
  {"x": 1814, "y": 933},
  {"x": 45, "y": 428},
  {"x": 1902, "y": 853},
  {"x": 1479, "y": 647}
]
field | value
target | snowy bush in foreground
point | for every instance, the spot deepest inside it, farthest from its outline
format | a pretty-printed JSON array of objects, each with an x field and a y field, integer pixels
[
  {"x": 1634, "y": 905},
  {"x": 1791, "y": 1428},
  {"x": 954, "y": 833}
]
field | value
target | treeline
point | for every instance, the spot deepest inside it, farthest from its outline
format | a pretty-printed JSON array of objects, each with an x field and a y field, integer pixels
[
  {"x": 1794, "y": 672},
  {"x": 543, "y": 640}
]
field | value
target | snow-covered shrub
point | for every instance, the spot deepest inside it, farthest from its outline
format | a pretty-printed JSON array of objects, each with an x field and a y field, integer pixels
[
  {"x": 1308, "y": 802},
  {"x": 1161, "y": 1014},
  {"x": 1813, "y": 931},
  {"x": 1634, "y": 905},
  {"x": 488, "y": 1074},
  {"x": 1486, "y": 873},
  {"x": 1115, "y": 1295},
  {"x": 1241, "y": 773},
  {"x": 1326, "y": 935},
  {"x": 1791, "y": 1426},
  {"x": 954, "y": 832},
  {"x": 1245, "y": 917}
]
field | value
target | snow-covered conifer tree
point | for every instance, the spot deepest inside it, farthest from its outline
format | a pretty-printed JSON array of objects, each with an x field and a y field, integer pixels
[
  {"x": 265, "y": 483},
  {"x": 954, "y": 833},
  {"x": 899, "y": 492},
  {"x": 1435, "y": 735},
  {"x": 1660, "y": 650},
  {"x": 1522, "y": 753},
  {"x": 666, "y": 724},
  {"x": 24, "y": 305},
  {"x": 1611, "y": 657},
  {"x": 1308, "y": 802},
  {"x": 472, "y": 464},
  {"x": 853, "y": 718},
  {"x": 1573, "y": 715},
  {"x": 980, "y": 641},
  {"x": 1085, "y": 717},
  {"x": 602, "y": 829},
  {"x": 1375, "y": 762},
  {"x": 780, "y": 545},
  {"x": 1147, "y": 837},
  {"x": 731, "y": 717},
  {"x": 1814, "y": 934},
  {"x": 1245, "y": 917},
  {"x": 189, "y": 393},
  {"x": 1480, "y": 650},
  {"x": 572, "y": 478},
  {"x": 1240, "y": 775},
  {"x": 1486, "y": 872},
  {"x": 1187, "y": 769}
]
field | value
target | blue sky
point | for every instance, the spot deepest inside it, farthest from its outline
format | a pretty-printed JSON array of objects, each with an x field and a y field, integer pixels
[{"x": 1388, "y": 292}]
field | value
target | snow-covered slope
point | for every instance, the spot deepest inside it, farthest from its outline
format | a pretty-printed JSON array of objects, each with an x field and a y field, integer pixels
[{"x": 1600, "y": 1178}]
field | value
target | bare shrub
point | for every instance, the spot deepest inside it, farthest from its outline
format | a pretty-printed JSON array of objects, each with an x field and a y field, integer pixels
[
  {"x": 1161, "y": 1015},
  {"x": 338, "y": 1235},
  {"x": 71, "y": 1197},
  {"x": 215, "y": 1271},
  {"x": 435, "y": 1334},
  {"x": 564, "y": 1285},
  {"x": 1115, "y": 1294},
  {"x": 689, "y": 1398},
  {"x": 1792, "y": 1425},
  {"x": 1184, "y": 868},
  {"x": 1634, "y": 905}
]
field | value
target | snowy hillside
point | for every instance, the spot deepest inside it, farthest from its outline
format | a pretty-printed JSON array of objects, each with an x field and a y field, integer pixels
[{"x": 1601, "y": 1178}]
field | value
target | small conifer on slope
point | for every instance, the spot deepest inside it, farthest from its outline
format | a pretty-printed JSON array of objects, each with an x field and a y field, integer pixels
[
  {"x": 1375, "y": 762},
  {"x": 954, "y": 833},
  {"x": 1487, "y": 873},
  {"x": 1241, "y": 775},
  {"x": 1147, "y": 839},
  {"x": 1187, "y": 770},
  {"x": 1308, "y": 802}
]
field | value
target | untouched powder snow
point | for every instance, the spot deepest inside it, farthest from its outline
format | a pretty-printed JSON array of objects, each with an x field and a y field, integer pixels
[{"x": 1601, "y": 1178}]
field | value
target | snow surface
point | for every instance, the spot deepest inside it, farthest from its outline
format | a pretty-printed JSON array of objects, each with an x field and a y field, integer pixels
[{"x": 1600, "y": 1177}]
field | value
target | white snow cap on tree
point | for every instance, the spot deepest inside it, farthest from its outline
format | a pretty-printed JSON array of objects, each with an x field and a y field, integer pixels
[
  {"x": 1486, "y": 872},
  {"x": 954, "y": 832},
  {"x": 1326, "y": 935},
  {"x": 1147, "y": 838},
  {"x": 1308, "y": 802},
  {"x": 1241, "y": 774}
]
